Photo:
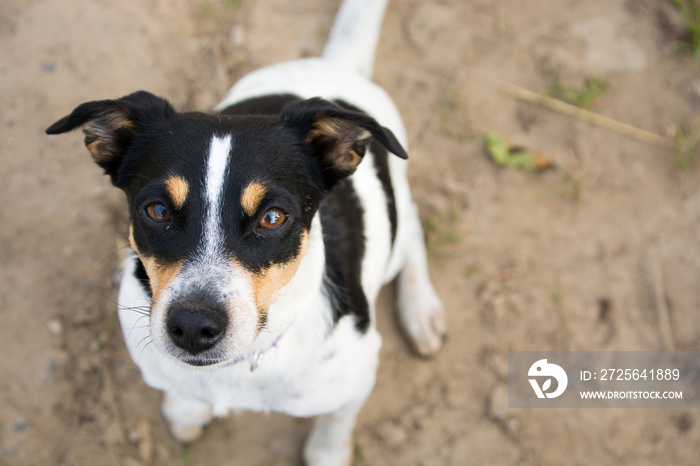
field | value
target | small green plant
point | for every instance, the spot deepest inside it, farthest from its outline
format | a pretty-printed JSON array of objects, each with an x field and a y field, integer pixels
[
  {"x": 207, "y": 11},
  {"x": 440, "y": 232},
  {"x": 218, "y": 13},
  {"x": 186, "y": 455},
  {"x": 358, "y": 457},
  {"x": 449, "y": 101},
  {"x": 107, "y": 330},
  {"x": 690, "y": 11},
  {"x": 593, "y": 88},
  {"x": 685, "y": 143},
  {"x": 556, "y": 297},
  {"x": 573, "y": 186}
]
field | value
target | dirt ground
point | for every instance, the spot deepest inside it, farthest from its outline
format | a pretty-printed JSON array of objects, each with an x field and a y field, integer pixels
[{"x": 600, "y": 253}]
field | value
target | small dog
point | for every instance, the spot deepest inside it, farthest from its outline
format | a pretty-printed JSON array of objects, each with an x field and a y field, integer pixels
[{"x": 261, "y": 241}]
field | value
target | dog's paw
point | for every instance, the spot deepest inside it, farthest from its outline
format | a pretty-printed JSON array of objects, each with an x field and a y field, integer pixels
[
  {"x": 186, "y": 434},
  {"x": 423, "y": 322},
  {"x": 325, "y": 457},
  {"x": 186, "y": 418}
]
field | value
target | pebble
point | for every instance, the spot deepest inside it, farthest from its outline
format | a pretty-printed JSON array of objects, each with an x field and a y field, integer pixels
[
  {"x": 237, "y": 35},
  {"x": 48, "y": 65},
  {"x": 54, "y": 326},
  {"x": 19, "y": 425},
  {"x": 498, "y": 402},
  {"x": 499, "y": 365},
  {"x": 392, "y": 434},
  {"x": 133, "y": 436}
]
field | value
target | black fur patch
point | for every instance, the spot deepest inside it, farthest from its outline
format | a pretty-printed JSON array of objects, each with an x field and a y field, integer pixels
[
  {"x": 142, "y": 276},
  {"x": 265, "y": 105},
  {"x": 344, "y": 241},
  {"x": 381, "y": 165}
]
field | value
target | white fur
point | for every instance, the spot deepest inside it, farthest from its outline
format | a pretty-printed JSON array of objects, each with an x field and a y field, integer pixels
[
  {"x": 315, "y": 367},
  {"x": 354, "y": 36},
  {"x": 217, "y": 167}
]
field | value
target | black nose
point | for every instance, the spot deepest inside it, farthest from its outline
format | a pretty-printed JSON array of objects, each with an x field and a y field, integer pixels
[{"x": 195, "y": 328}]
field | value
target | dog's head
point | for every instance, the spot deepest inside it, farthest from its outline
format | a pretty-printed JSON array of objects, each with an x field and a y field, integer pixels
[{"x": 220, "y": 206}]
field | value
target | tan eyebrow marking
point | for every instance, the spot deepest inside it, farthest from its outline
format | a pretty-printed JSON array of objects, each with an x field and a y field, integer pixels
[
  {"x": 253, "y": 195},
  {"x": 177, "y": 189}
]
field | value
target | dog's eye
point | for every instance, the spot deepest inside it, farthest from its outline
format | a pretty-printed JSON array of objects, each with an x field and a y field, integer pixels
[
  {"x": 157, "y": 212},
  {"x": 272, "y": 219}
]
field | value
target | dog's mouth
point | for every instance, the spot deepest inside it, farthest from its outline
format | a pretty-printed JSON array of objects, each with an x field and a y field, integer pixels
[
  {"x": 201, "y": 362},
  {"x": 212, "y": 357}
]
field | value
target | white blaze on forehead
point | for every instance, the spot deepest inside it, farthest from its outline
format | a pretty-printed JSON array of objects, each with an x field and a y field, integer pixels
[{"x": 217, "y": 168}]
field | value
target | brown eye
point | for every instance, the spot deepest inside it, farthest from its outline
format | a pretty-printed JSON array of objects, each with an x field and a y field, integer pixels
[
  {"x": 157, "y": 212},
  {"x": 272, "y": 219}
]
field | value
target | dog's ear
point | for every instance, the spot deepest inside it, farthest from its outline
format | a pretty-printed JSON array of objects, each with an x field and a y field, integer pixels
[
  {"x": 337, "y": 137},
  {"x": 111, "y": 125}
]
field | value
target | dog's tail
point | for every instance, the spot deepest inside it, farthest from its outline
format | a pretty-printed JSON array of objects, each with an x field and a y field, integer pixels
[{"x": 354, "y": 36}]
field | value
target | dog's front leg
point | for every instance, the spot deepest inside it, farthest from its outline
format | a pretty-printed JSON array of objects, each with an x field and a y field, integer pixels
[
  {"x": 420, "y": 311},
  {"x": 186, "y": 417},
  {"x": 330, "y": 441}
]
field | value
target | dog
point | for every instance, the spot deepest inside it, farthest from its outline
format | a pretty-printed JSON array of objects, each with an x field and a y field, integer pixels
[{"x": 261, "y": 236}]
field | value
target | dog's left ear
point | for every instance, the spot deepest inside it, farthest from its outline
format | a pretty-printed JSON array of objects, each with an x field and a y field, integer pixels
[
  {"x": 110, "y": 126},
  {"x": 337, "y": 137}
]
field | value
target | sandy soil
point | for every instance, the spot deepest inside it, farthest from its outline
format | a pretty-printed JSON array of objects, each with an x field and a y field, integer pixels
[{"x": 595, "y": 254}]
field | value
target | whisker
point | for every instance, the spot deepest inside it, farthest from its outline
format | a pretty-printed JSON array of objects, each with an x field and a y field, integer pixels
[
  {"x": 121, "y": 307},
  {"x": 148, "y": 336},
  {"x": 140, "y": 326},
  {"x": 139, "y": 308},
  {"x": 146, "y": 346}
]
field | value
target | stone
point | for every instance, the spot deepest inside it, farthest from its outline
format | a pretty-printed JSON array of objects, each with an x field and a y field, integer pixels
[
  {"x": 498, "y": 403},
  {"x": 392, "y": 435}
]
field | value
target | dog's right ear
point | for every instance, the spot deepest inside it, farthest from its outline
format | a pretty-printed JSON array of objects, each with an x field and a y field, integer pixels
[{"x": 110, "y": 126}]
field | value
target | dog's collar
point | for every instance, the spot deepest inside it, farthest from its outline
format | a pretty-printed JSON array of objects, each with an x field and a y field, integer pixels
[{"x": 255, "y": 357}]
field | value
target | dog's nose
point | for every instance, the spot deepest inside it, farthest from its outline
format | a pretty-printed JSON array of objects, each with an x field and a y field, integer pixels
[{"x": 196, "y": 329}]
